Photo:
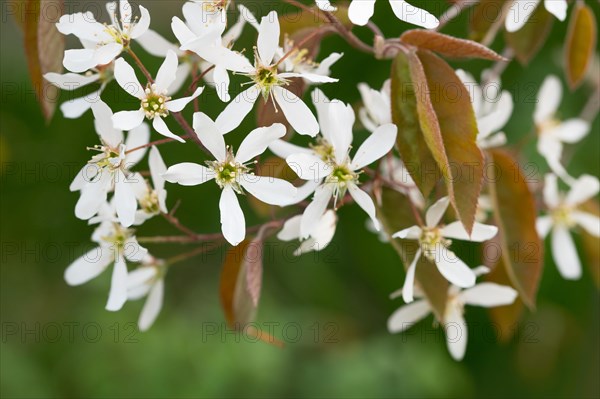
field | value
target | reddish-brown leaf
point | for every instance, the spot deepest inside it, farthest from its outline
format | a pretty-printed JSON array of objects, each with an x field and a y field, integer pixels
[
  {"x": 590, "y": 243},
  {"x": 527, "y": 41},
  {"x": 515, "y": 214},
  {"x": 253, "y": 259},
  {"x": 448, "y": 45},
  {"x": 580, "y": 44},
  {"x": 44, "y": 48},
  {"x": 448, "y": 121}
]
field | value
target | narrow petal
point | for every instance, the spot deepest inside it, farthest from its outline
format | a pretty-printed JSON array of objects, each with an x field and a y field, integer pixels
[
  {"x": 79, "y": 60},
  {"x": 315, "y": 210},
  {"x": 365, "y": 202},
  {"x": 154, "y": 44},
  {"x": 296, "y": 112},
  {"x": 103, "y": 122},
  {"x": 481, "y": 232},
  {"x": 558, "y": 8},
  {"x": 291, "y": 229},
  {"x": 161, "y": 127},
  {"x": 128, "y": 120},
  {"x": 88, "y": 266},
  {"x": 436, "y": 211},
  {"x": 551, "y": 195},
  {"x": 268, "y": 37},
  {"x": 179, "y": 104},
  {"x": 548, "y": 98},
  {"x": 70, "y": 81},
  {"x": 583, "y": 189},
  {"x": 589, "y": 222},
  {"x": 141, "y": 26},
  {"x": 519, "y": 13},
  {"x": 209, "y": 134},
  {"x": 269, "y": 190},
  {"x": 409, "y": 280},
  {"x": 157, "y": 168},
  {"x": 221, "y": 81},
  {"x": 118, "y": 286},
  {"x": 284, "y": 149},
  {"x": 93, "y": 195},
  {"x": 235, "y": 112},
  {"x": 565, "y": 254},
  {"x": 341, "y": 118},
  {"x": 489, "y": 295},
  {"x": 312, "y": 77},
  {"x": 456, "y": 333},
  {"x": 127, "y": 79},
  {"x": 360, "y": 11},
  {"x": 167, "y": 72},
  {"x": 406, "y": 316},
  {"x": 570, "y": 131},
  {"x": 414, "y": 15},
  {"x": 152, "y": 306},
  {"x": 73, "y": 109},
  {"x": 452, "y": 268},
  {"x": 309, "y": 167},
  {"x": 137, "y": 137},
  {"x": 257, "y": 141},
  {"x": 133, "y": 251},
  {"x": 543, "y": 224},
  {"x": 379, "y": 143},
  {"x": 411, "y": 233},
  {"x": 233, "y": 222},
  {"x": 125, "y": 200},
  {"x": 188, "y": 174}
]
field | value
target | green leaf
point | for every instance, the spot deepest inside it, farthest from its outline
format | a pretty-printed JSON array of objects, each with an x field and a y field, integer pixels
[
  {"x": 515, "y": 214},
  {"x": 580, "y": 44},
  {"x": 527, "y": 41},
  {"x": 395, "y": 214},
  {"x": 448, "y": 45},
  {"x": 411, "y": 140},
  {"x": 44, "y": 48},
  {"x": 448, "y": 121}
]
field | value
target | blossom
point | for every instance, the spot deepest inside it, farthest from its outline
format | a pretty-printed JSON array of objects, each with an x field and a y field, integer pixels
[
  {"x": 109, "y": 169},
  {"x": 434, "y": 242},
  {"x": 74, "y": 108},
  {"x": 147, "y": 281},
  {"x": 521, "y": 10},
  {"x": 330, "y": 164},
  {"x": 552, "y": 133},
  {"x": 151, "y": 199},
  {"x": 493, "y": 108},
  {"x": 102, "y": 42},
  {"x": 483, "y": 294},
  {"x": 564, "y": 214},
  {"x": 319, "y": 237},
  {"x": 377, "y": 109},
  {"x": 361, "y": 11},
  {"x": 116, "y": 244},
  {"x": 266, "y": 80},
  {"x": 155, "y": 100},
  {"x": 393, "y": 169},
  {"x": 232, "y": 173}
]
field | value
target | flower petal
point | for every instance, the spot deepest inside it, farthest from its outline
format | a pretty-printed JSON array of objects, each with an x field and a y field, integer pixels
[
  {"x": 157, "y": 168},
  {"x": 315, "y": 210},
  {"x": 188, "y": 174},
  {"x": 565, "y": 254},
  {"x": 268, "y": 189},
  {"x": 257, "y": 141},
  {"x": 543, "y": 224},
  {"x": 154, "y": 44},
  {"x": 409, "y": 280},
  {"x": 480, "y": 233},
  {"x": 167, "y": 72},
  {"x": 70, "y": 81},
  {"x": 284, "y": 149},
  {"x": 152, "y": 306},
  {"x": 161, "y": 127},
  {"x": 436, "y": 211},
  {"x": 233, "y": 222},
  {"x": 179, "y": 104},
  {"x": 406, "y": 316},
  {"x": 268, "y": 38},
  {"x": 128, "y": 120},
  {"x": 209, "y": 134},
  {"x": 456, "y": 333},
  {"x": 141, "y": 26},
  {"x": 558, "y": 8},
  {"x": 127, "y": 79},
  {"x": 133, "y": 251},
  {"x": 414, "y": 15},
  {"x": 235, "y": 112},
  {"x": 309, "y": 167},
  {"x": 73, "y": 109},
  {"x": 291, "y": 229},
  {"x": 379, "y": 143},
  {"x": 583, "y": 189},
  {"x": 570, "y": 131},
  {"x": 137, "y": 137},
  {"x": 118, "y": 286},
  {"x": 296, "y": 112},
  {"x": 489, "y": 295},
  {"x": 519, "y": 13},
  {"x": 411, "y": 233},
  {"x": 125, "y": 200},
  {"x": 452, "y": 268},
  {"x": 548, "y": 98},
  {"x": 589, "y": 222},
  {"x": 365, "y": 202},
  {"x": 103, "y": 122},
  {"x": 88, "y": 266},
  {"x": 360, "y": 11}
]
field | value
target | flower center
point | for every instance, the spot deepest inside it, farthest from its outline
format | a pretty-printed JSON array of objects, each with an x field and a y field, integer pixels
[
  {"x": 228, "y": 172},
  {"x": 430, "y": 238},
  {"x": 548, "y": 125},
  {"x": 323, "y": 149},
  {"x": 266, "y": 78},
  {"x": 154, "y": 104},
  {"x": 118, "y": 236},
  {"x": 214, "y": 6},
  {"x": 149, "y": 203},
  {"x": 342, "y": 176},
  {"x": 562, "y": 216},
  {"x": 107, "y": 157},
  {"x": 118, "y": 36}
]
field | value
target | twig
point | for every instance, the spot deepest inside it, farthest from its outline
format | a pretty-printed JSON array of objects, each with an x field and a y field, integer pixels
[
  {"x": 157, "y": 142},
  {"x": 141, "y": 65},
  {"x": 454, "y": 11},
  {"x": 187, "y": 255},
  {"x": 177, "y": 224}
]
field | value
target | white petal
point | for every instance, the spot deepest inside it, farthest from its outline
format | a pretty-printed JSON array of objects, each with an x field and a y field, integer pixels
[
  {"x": 127, "y": 79},
  {"x": 497, "y": 119},
  {"x": 181, "y": 31},
  {"x": 409, "y": 280},
  {"x": 142, "y": 25},
  {"x": 125, "y": 11},
  {"x": 570, "y": 131},
  {"x": 296, "y": 112},
  {"x": 406, "y": 316},
  {"x": 268, "y": 38},
  {"x": 157, "y": 169},
  {"x": 128, "y": 120},
  {"x": 325, "y": 5},
  {"x": 360, "y": 11},
  {"x": 308, "y": 167},
  {"x": 322, "y": 104},
  {"x": 480, "y": 233},
  {"x": 519, "y": 13},
  {"x": 551, "y": 195},
  {"x": 233, "y": 222},
  {"x": 284, "y": 149},
  {"x": 88, "y": 266},
  {"x": 210, "y": 135},
  {"x": 269, "y": 189},
  {"x": 303, "y": 192},
  {"x": 489, "y": 295},
  {"x": 188, "y": 174},
  {"x": 84, "y": 26},
  {"x": 565, "y": 254},
  {"x": 257, "y": 141},
  {"x": 103, "y": 123},
  {"x": 365, "y": 202},
  {"x": 375, "y": 146},
  {"x": 548, "y": 99},
  {"x": 125, "y": 200},
  {"x": 93, "y": 195},
  {"x": 543, "y": 224},
  {"x": 315, "y": 210},
  {"x": 558, "y": 8},
  {"x": 156, "y": 45},
  {"x": 161, "y": 127},
  {"x": 152, "y": 306},
  {"x": 234, "y": 32},
  {"x": 221, "y": 82},
  {"x": 312, "y": 77},
  {"x": 436, "y": 211},
  {"x": 118, "y": 286},
  {"x": 136, "y": 138},
  {"x": 583, "y": 189},
  {"x": 79, "y": 60},
  {"x": 411, "y": 233},
  {"x": 167, "y": 72},
  {"x": 341, "y": 119},
  {"x": 456, "y": 333},
  {"x": 414, "y": 15},
  {"x": 324, "y": 68},
  {"x": 74, "y": 108},
  {"x": 452, "y": 268},
  {"x": 133, "y": 251},
  {"x": 235, "y": 112},
  {"x": 589, "y": 222},
  {"x": 291, "y": 229},
  {"x": 70, "y": 81}
]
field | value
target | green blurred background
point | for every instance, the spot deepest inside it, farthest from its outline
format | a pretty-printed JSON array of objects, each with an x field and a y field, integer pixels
[{"x": 330, "y": 308}]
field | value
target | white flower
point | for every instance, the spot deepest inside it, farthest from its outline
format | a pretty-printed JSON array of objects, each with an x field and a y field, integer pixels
[
  {"x": 155, "y": 101},
  {"x": 319, "y": 238},
  {"x": 483, "y": 294},
  {"x": 493, "y": 108},
  {"x": 361, "y": 11},
  {"x": 521, "y": 10},
  {"x": 330, "y": 165},
  {"x": 552, "y": 133},
  {"x": 232, "y": 173},
  {"x": 152, "y": 199},
  {"x": 325, "y": 5},
  {"x": 268, "y": 82},
  {"x": 74, "y": 108},
  {"x": 564, "y": 215},
  {"x": 393, "y": 169},
  {"x": 115, "y": 245},
  {"x": 434, "y": 242},
  {"x": 377, "y": 108},
  {"x": 110, "y": 169},
  {"x": 147, "y": 281},
  {"x": 102, "y": 42}
]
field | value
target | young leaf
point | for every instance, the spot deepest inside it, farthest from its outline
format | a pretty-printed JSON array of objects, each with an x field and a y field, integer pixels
[
  {"x": 580, "y": 44},
  {"x": 395, "y": 214},
  {"x": 411, "y": 140},
  {"x": 483, "y": 16},
  {"x": 515, "y": 215},
  {"x": 44, "y": 48},
  {"x": 448, "y": 45},
  {"x": 528, "y": 40},
  {"x": 448, "y": 121}
]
